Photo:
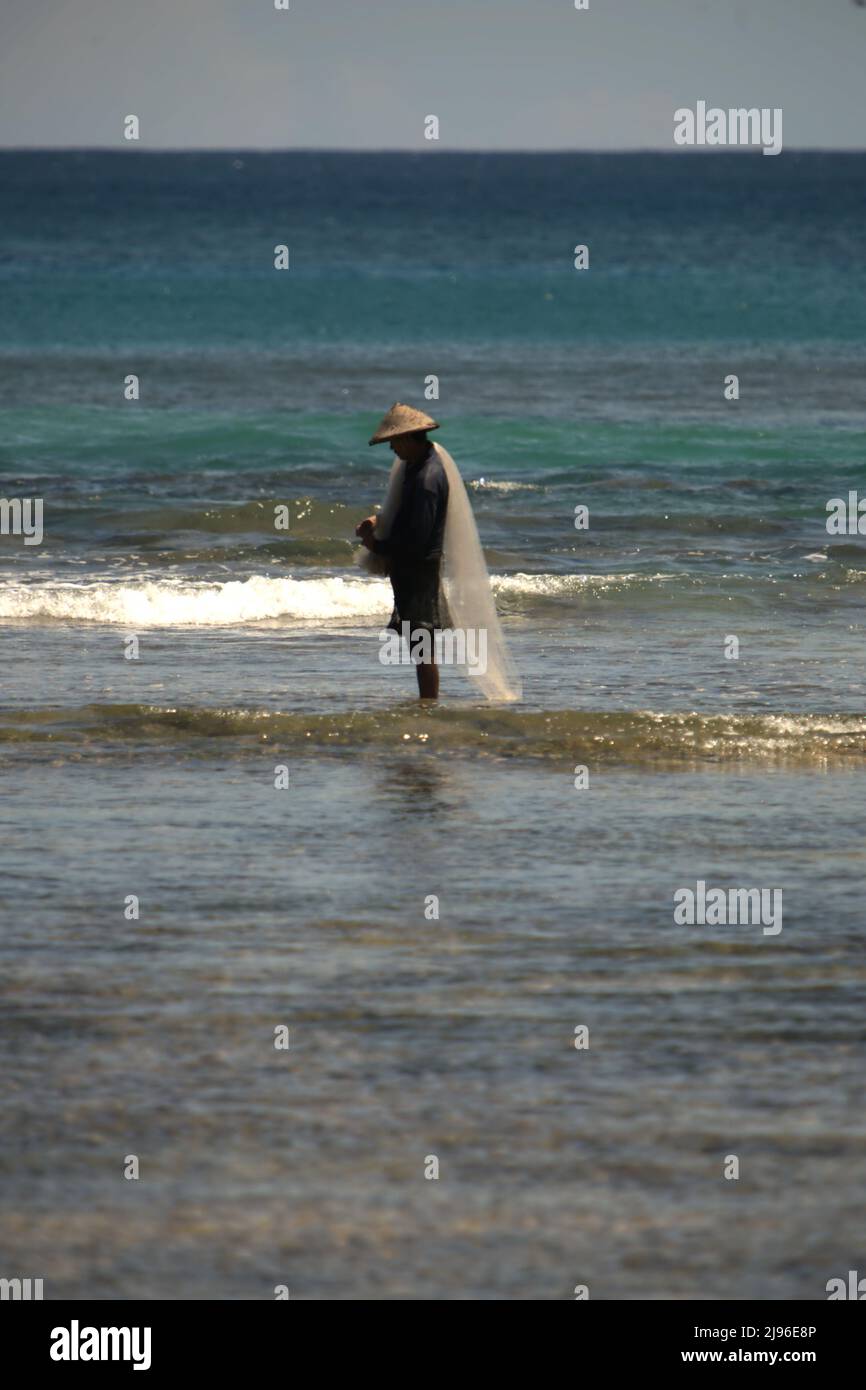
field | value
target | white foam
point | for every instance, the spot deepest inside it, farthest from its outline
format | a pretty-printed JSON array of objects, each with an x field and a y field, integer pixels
[
  {"x": 551, "y": 585},
  {"x": 170, "y": 603},
  {"x": 185, "y": 603},
  {"x": 491, "y": 485}
]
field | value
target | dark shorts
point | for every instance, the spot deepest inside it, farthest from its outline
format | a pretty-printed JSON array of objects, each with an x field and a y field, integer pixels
[{"x": 418, "y": 597}]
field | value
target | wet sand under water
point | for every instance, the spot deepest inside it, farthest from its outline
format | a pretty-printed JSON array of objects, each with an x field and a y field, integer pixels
[{"x": 411, "y": 1037}]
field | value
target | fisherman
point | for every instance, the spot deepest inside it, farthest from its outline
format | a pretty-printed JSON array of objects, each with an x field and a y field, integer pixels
[
  {"x": 413, "y": 544},
  {"x": 426, "y": 540}
]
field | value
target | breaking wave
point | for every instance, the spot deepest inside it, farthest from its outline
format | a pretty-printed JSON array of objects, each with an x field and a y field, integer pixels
[
  {"x": 176, "y": 603},
  {"x": 179, "y": 603},
  {"x": 172, "y": 601}
]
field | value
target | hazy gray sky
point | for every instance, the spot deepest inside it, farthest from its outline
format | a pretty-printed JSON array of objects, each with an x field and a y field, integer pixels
[{"x": 363, "y": 74}]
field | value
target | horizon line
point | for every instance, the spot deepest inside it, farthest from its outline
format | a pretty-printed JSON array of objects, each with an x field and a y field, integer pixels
[{"x": 127, "y": 147}]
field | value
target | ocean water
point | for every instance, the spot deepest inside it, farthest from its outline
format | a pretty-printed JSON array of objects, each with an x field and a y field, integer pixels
[{"x": 308, "y": 906}]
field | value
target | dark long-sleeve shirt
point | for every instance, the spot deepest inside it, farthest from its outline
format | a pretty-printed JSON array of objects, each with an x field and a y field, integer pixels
[{"x": 419, "y": 523}]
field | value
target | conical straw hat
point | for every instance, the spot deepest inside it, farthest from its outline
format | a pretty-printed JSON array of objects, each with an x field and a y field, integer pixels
[{"x": 402, "y": 419}]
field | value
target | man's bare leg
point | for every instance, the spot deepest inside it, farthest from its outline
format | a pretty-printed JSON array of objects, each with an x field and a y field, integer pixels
[{"x": 428, "y": 681}]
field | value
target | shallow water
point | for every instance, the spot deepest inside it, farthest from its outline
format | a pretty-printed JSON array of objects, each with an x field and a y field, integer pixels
[{"x": 411, "y": 1037}]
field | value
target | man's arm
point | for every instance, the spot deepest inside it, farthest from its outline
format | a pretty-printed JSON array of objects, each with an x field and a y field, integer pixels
[{"x": 411, "y": 540}]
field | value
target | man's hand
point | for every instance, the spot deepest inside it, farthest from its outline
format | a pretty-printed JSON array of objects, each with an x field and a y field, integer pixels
[{"x": 365, "y": 531}]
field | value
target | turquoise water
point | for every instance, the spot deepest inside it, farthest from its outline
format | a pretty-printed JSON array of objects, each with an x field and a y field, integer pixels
[{"x": 258, "y": 650}]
